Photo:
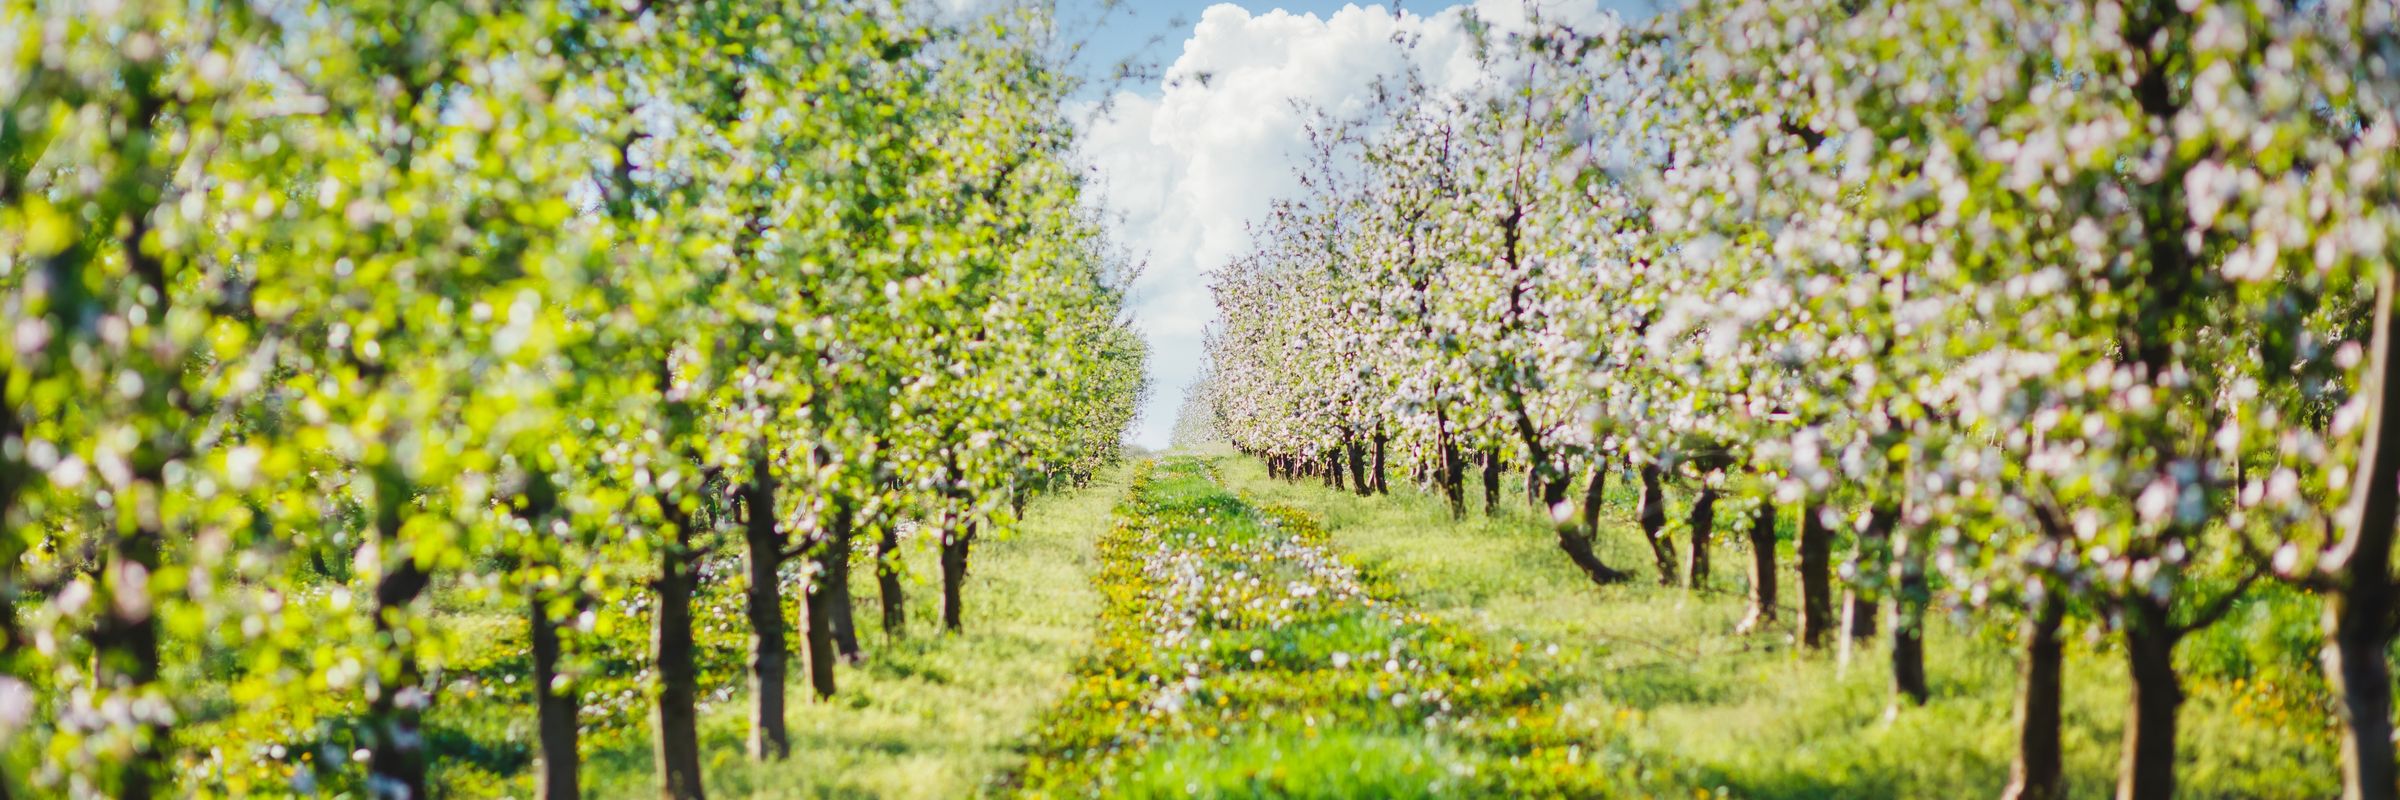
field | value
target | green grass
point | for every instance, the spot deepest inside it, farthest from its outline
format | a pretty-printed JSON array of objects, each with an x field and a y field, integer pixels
[
  {"x": 929, "y": 715},
  {"x": 1060, "y": 686},
  {"x": 1656, "y": 679},
  {"x": 1240, "y": 656}
]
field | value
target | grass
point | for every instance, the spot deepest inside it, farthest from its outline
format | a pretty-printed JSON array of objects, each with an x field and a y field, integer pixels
[
  {"x": 1132, "y": 640},
  {"x": 1240, "y": 656},
  {"x": 1656, "y": 679},
  {"x": 929, "y": 715}
]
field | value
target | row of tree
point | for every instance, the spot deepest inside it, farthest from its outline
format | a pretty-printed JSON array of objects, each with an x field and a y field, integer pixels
[
  {"x": 316, "y": 310},
  {"x": 2064, "y": 314}
]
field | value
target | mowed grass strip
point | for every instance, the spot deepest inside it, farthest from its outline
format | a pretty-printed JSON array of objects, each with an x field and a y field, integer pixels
[{"x": 1239, "y": 655}]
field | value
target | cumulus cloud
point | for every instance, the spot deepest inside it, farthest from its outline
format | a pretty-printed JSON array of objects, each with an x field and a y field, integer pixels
[{"x": 1183, "y": 169}]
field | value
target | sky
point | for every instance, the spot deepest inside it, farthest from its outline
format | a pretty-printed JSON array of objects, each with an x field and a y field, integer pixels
[{"x": 1181, "y": 167}]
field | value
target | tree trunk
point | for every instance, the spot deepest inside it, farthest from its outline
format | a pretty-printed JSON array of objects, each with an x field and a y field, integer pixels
[
  {"x": 1762, "y": 569},
  {"x": 1654, "y": 524},
  {"x": 2359, "y": 602},
  {"x": 1703, "y": 522},
  {"x": 1358, "y": 467},
  {"x": 955, "y": 543},
  {"x": 1533, "y": 489},
  {"x": 396, "y": 760},
  {"x": 1858, "y": 607},
  {"x": 1594, "y": 494},
  {"x": 2038, "y": 773},
  {"x": 554, "y": 707},
  {"x": 817, "y": 605},
  {"x": 1816, "y": 578},
  {"x": 1382, "y": 483},
  {"x": 887, "y": 580},
  {"x": 1333, "y": 469},
  {"x": 1576, "y": 540},
  {"x": 1454, "y": 478},
  {"x": 1491, "y": 483},
  {"x": 2357, "y": 670},
  {"x": 833, "y": 581},
  {"x": 127, "y": 660},
  {"x": 395, "y": 712},
  {"x": 1909, "y": 598},
  {"x": 676, "y": 754},
  {"x": 1858, "y": 625},
  {"x": 2148, "y": 772},
  {"x": 768, "y": 652}
]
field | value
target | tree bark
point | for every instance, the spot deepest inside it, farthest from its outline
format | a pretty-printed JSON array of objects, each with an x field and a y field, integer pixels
[
  {"x": 1594, "y": 494},
  {"x": 2359, "y": 599},
  {"x": 1382, "y": 470},
  {"x": 955, "y": 544},
  {"x": 887, "y": 580},
  {"x": 769, "y": 653},
  {"x": 2038, "y": 773},
  {"x": 2148, "y": 771},
  {"x": 1534, "y": 490},
  {"x": 833, "y": 582},
  {"x": 1910, "y": 595},
  {"x": 554, "y": 707},
  {"x": 1358, "y": 467},
  {"x": 1491, "y": 483},
  {"x": 676, "y": 716},
  {"x": 1762, "y": 569},
  {"x": 1858, "y": 607},
  {"x": 1654, "y": 524},
  {"x": 1454, "y": 477},
  {"x": 817, "y": 605},
  {"x": 395, "y": 712},
  {"x": 2151, "y": 338},
  {"x": 126, "y": 649},
  {"x": 1703, "y": 522},
  {"x": 1575, "y": 538},
  {"x": 1333, "y": 469},
  {"x": 1908, "y": 638},
  {"x": 1816, "y": 577}
]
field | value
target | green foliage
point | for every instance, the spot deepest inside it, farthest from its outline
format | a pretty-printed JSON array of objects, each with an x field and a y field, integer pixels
[{"x": 343, "y": 335}]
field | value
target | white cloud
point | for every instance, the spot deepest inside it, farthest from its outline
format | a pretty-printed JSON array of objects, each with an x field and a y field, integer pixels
[{"x": 1184, "y": 169}]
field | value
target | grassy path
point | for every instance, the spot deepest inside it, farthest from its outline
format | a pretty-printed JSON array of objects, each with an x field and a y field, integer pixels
[{"x": 1240, "y": 655}]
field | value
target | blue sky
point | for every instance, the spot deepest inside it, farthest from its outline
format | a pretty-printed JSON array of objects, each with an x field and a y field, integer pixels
[{"x": 1152, "y": 31}]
